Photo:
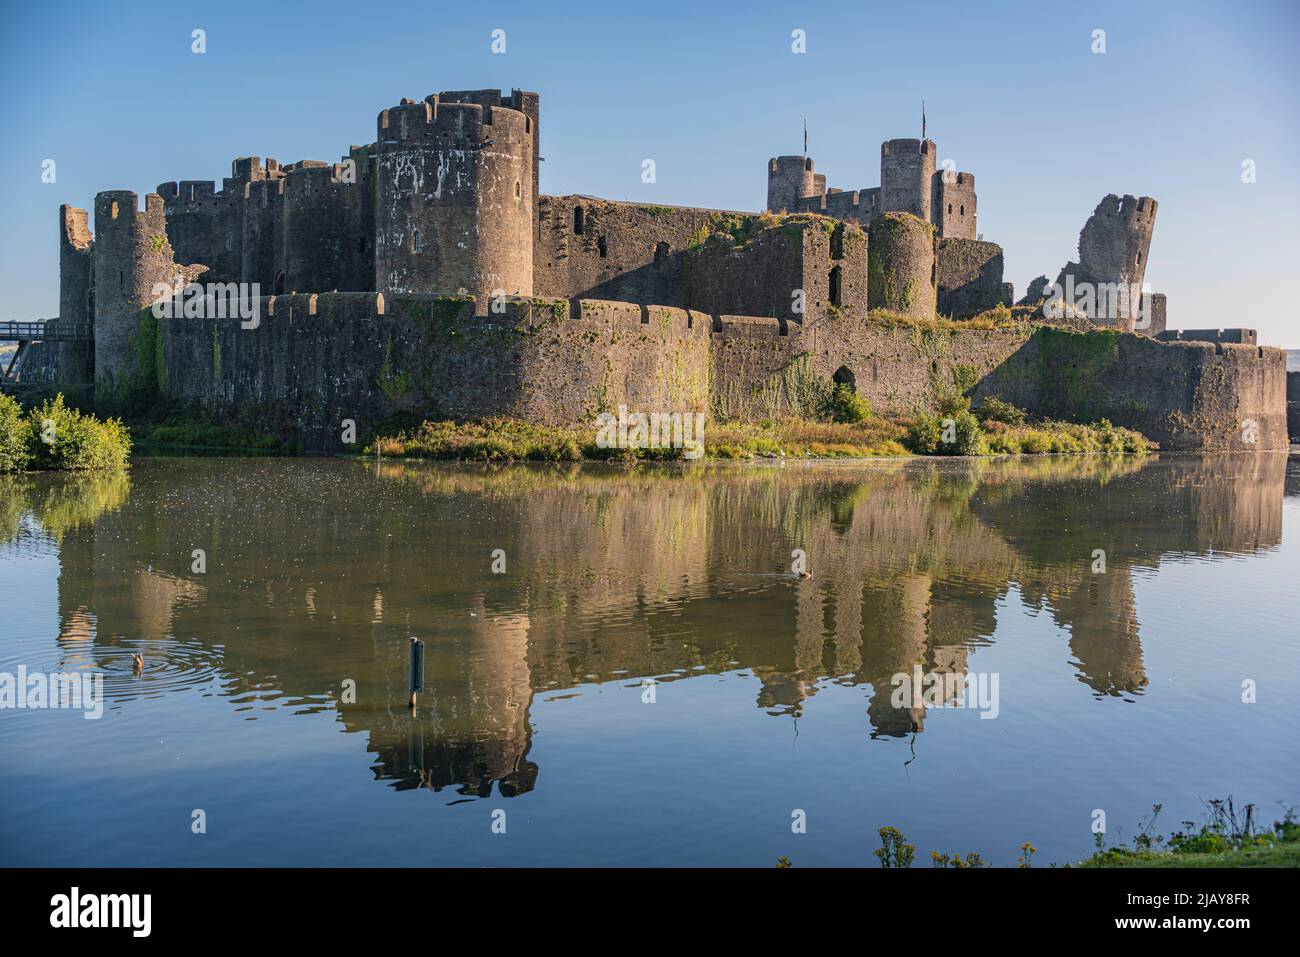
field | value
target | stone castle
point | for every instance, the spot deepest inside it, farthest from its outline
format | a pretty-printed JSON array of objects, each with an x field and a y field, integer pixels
[{"x": 426, "y": 273}]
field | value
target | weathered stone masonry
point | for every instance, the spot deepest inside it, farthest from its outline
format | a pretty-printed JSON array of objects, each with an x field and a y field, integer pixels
[{"x": 425, "y": 273}]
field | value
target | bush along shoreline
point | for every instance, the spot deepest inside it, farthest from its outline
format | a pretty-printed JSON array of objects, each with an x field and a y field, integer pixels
[
  {"x": 1228, "y": 837},
  {"x": 54, "y": 436}
]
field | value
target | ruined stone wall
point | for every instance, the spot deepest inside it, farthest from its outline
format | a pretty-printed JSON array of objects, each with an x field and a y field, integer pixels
[
  {"x": 262, "y": 244},
  {"x": 1155, "y": 307},
  {"x": 1184, "y": 395},
  {"x": 761, "y": 365},
  {"x": 968, "y": 277},
  {"x": 858, "y": 205},
  {"x": 205, "y": 226},
  {"x": 953, "y": 212},
  {"x": 315, "y": 360},
  {"x": 797, "y": 269},
  {"x": 600, "y": 249},
  {"x": 74, "y": 362},
  {"x": 901, "y": 272},
  {"x": 1293, "y": 405},
  {"x": 325, "y": 248},
  {"x": 1247, "y": 337},
  {"x": 131, "y": 255},
  {"x": 193, "y": 209},
  {"x": 1113, "y": 248},
  {"x": 756, "y": 367}
]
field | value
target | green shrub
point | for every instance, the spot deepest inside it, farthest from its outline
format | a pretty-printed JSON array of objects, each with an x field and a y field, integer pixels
[
  {"x": 1035, "y": 443},
  {"x": 953, "y": 431},
  {"x": 994, "y": 409},
  {"x": 845, "y": 405},
  {"x": 14, "y": 435},
  {"x": 62, "y": 438},
  {"x": 923, "y": 434},
  {"x": 969, "y": 437}
]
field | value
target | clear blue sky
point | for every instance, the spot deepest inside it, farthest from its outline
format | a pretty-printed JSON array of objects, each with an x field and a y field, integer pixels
[{"x": 1185, "y": 92}]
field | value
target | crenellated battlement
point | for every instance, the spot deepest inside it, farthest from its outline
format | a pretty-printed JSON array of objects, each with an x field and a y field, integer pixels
[
  {"x": 1128, "y": 208},
  {"x": 454, "y": 125},
  {"x": 250, "y": 168},
  {"x": 313, "y": 176}
]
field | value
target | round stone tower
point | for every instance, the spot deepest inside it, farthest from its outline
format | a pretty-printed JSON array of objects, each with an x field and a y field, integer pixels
[
  {"x": 900, "y": 265},
  {"x": 789, "y": 179},
  {"x": 454, "y": 200},
  {"x": 907, "y": 176}
]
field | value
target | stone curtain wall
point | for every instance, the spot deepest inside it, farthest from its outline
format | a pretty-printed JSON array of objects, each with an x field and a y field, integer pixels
[
  {"x": 1184, "y": 395},
  {"x": 969, "y": 277},
  {"x": 315, "y": 360},
  {"x": 630, "y": 252}
]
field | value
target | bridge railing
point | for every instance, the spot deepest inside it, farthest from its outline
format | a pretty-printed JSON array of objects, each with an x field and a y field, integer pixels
[{"x": 50, "y": 330}]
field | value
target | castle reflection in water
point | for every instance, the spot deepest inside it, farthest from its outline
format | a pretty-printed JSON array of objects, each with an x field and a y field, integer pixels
[{"x": 319, "y": 571}]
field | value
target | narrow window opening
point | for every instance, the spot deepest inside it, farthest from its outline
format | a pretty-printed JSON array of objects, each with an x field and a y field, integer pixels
[
  {"x": 601, "y": 247},
  {"x": 835, "y": 283},
  {"x": 363, "y": 245},
  {"x": 963, "y": 209},
  {"x": 114, "y": 211},
  {"x": 417, "y": 242},
  {"x": 577, "y": 221},
  {"x": 516, "y": 188},
  {"x": 950, "y": 209}
]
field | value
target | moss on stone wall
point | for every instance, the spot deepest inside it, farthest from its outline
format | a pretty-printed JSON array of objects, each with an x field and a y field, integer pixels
[{"x": 1070, "y": 368}]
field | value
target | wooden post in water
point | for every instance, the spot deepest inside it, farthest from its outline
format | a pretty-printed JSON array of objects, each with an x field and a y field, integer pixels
[{"x": 416, "y": 670}]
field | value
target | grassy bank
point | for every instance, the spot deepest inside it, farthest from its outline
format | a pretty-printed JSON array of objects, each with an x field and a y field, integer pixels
[
  {"x": 496, "y": 440},
  {"x": 54, "y": 436},
  {"x": 958, "y": 433},
  {"x": 1227, "y": 837}
]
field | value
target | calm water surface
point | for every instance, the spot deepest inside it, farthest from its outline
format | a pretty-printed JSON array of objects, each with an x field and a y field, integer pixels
[{"x": 772, "y": 692}]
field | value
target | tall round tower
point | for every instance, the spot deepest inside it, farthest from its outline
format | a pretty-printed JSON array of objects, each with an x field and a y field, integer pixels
[
  {"x": 132, "y": 258},
  {"x": 454, "y": 200},
  {"x": 907, "y": 177},
  {"x": 901, "y": 265},
  {"x": 789, "y": 179}
]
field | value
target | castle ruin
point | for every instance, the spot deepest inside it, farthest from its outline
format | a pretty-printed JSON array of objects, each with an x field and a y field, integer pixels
[{"x": 426, "y": 272}]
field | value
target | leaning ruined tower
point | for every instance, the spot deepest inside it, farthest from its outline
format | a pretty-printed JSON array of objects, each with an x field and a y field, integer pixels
[
  {"x": 1113, "y": 249},
  {"x": 455, "y": 199}
]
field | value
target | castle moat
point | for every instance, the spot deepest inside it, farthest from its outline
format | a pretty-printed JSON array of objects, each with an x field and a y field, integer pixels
[{"x": 663, "y": 665}]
